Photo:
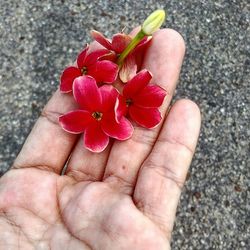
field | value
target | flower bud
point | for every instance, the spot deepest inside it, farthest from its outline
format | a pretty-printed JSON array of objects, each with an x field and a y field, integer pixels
[{"x": 153, "y": 22}]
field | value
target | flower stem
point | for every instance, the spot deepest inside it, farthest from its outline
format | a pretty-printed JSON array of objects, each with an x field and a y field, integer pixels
[{"x": 139, "y": 36}]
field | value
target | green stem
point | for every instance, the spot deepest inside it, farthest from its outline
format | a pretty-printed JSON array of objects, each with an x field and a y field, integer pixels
[{"x": 139, "y": 36}]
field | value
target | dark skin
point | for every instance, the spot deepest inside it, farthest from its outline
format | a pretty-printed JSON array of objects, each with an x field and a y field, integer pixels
[{"x": 123, "y": 198}]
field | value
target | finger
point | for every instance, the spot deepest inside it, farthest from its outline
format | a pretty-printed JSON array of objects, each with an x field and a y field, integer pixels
[
  {"x": 48, "y": 146},
  {"x": 85, "y": 165},
  {"x": 163, "y": 173},
  {"x": 164, "y": 59}
]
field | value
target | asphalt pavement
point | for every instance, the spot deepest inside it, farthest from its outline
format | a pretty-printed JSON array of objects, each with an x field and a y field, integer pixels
[{"x": 39, "y": 38}]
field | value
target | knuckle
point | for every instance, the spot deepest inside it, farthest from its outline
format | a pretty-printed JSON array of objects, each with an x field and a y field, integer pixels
[{"x": 165, "y": 171}]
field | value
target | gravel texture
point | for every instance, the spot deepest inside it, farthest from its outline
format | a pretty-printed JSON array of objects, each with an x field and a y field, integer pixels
[{"x": 37, "y": 40}]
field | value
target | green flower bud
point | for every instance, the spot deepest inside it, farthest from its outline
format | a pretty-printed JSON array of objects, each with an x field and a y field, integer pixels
[{"x": 153, "y": 22}]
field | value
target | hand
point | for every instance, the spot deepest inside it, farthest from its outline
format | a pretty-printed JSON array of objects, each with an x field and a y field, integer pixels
[{"x": 122, "y": 198}]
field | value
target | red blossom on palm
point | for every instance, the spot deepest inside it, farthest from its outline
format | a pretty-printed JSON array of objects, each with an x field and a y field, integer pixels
[
  {"x": 96, "y": 115},
  {"x": 141, "y": 100},
  {"x": 119, "y": 41},
  {"x": 118, "y": 44},
  {"x": 92, "y": 64}
]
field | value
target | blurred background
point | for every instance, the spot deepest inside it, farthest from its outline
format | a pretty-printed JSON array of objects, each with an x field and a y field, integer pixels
[{"x": 39, "y": 38}]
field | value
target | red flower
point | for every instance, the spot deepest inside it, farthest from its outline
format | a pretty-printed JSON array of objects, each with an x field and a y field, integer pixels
[
  {"x": 118, "y": 44},
  {"x": 119, "y": 41},
  {"x": 141, "y": 101},
  {"x": 96, "y": 116},
  {"x": 90, "y": 64}
]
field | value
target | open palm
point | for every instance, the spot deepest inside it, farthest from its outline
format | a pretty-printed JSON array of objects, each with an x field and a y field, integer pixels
[{"x": 122, "y": 198}]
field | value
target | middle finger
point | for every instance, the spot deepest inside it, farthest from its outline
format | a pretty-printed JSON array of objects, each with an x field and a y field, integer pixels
[{"x": 164, "y": 59}]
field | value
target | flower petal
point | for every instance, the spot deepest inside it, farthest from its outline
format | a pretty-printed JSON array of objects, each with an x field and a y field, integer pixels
[
  {"x": 140, "y": 51},
  {"x": 95, "y": 139},
  {"x": 93, "y": 57},
  {"x": 129, "y": 68},
  {"x": 121, "y": 108},
  {"x": 75, "y": 121},
  {"x": 86, "y": 93},
  {"x": 111, "y": 56},
  {"x": 81, "y": 58},
  {"x": 100, "y": 38},
  {"x": 109, "y": 95},
  {"x": 137, "y": 83},
  {"x": 104, "y": 72},
  {"x": 150, "y": 97},
  {"x": 144, "y": 43},
  {"x": 120, "y": 41},
  {"x": 121, "y": 131},
  {"x": 145, "y": 117},
  {"x": 67, "y": 78}
]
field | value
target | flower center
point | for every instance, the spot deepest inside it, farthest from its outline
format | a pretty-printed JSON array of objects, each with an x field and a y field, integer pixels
[
  {"x": 97, "y": 115},
  {"x": 84, "y": 70},
  {"x": 128, "y": 102}
]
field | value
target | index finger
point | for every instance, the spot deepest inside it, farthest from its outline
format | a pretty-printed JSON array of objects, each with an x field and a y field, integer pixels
[{"x": 48, "y": 146}]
